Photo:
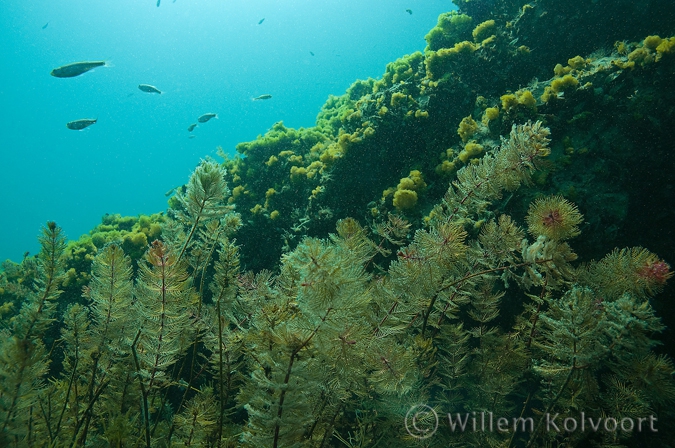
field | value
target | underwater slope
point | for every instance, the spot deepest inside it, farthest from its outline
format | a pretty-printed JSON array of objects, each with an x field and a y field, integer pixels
[{"x": 433, "y": 227}]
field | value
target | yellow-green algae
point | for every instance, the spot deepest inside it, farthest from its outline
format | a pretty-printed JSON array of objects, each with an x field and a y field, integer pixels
[{"x": 381, "y": 126}]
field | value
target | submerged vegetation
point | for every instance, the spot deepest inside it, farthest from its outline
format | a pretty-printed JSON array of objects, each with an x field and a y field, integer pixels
[
  {"x": 189, "y": 350},
  {"x": 417, "y": 249}
]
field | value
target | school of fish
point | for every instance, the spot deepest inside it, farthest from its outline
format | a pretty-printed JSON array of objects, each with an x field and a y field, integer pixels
[{"x": 78, "y": 68}]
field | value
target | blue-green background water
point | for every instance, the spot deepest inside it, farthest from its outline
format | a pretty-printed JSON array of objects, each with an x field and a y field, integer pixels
[{"x": 205, "y": 55}]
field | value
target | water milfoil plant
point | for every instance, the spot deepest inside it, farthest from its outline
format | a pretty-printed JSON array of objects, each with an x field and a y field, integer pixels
[{"x": 472, "y": 313}]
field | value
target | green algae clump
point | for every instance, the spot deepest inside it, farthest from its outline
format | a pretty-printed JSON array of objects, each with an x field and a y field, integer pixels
[
  {"x": 484, "y": 30},
  {"x": 405, "y": 199},
  {"x": 133, "y": 232},
  {"x": 439, "y": 63},
  {"x": 467, "y": 128},
  {"x": 452, "y": 27}
]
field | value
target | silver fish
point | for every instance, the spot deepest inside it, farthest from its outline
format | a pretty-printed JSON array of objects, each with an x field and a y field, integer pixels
[
  {"x": 78, "y": 125},
  {"x": 148, "y": 88},
  {"x": 206, "y": 117},
  {"x": 76, "y": 68},
  {"x": 192, "y": 127},
  {"x": 266, "y": 96}
]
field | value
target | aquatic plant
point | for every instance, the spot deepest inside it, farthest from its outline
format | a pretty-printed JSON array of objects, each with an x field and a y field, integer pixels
[
  {"x": 25, "y": 359},
  {"x": 190, "y": 350}
]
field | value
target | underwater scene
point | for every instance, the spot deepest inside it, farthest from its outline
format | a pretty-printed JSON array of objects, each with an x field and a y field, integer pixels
[{"x": 338, "y": 224}]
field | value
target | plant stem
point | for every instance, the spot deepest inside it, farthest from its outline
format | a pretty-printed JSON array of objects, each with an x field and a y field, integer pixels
[
  {"x": 144, "y": 402},
  {"x": 282, "y": 395},
  {"x": 550, "y": 406}
]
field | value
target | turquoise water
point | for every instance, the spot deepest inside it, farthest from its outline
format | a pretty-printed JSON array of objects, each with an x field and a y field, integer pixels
[{"x": 206, "y": 56}]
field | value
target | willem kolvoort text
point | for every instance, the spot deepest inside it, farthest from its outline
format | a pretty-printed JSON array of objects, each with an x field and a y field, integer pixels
[{"x": 486, "y": 421}]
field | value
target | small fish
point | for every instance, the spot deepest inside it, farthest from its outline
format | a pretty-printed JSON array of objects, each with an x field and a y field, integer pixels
[
  {"x": 45, "y": 25},
  {"x": 261, "y": 21},
  {"x": 158, "y": 2},
  {"x": 148, "y": 88},
  {"x": 263, "y": 97},
  {"x": 194, "y": 125},
  {"x": 206, "y": 117},
  {"x": 78, "y": 125},
  {"x": 191, "y": 136},
  {"x": 76, "y": 68},
  {"x": 170, "y": 192},
  {"x": 409, "y": 11},
  {"x": 312, "y": 53}
]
